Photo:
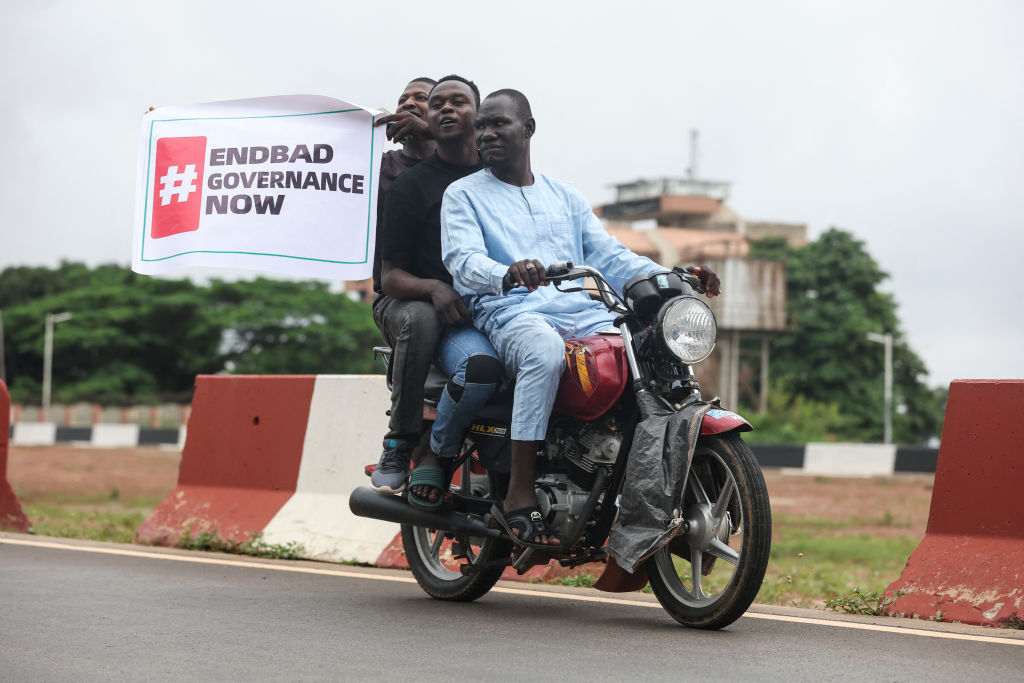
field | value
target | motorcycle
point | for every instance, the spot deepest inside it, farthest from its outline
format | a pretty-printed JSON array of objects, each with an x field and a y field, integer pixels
[{"x": 710, "y": 568}]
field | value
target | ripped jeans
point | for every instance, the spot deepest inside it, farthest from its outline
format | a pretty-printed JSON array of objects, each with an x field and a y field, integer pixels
[{"x": 465, "y": 355}]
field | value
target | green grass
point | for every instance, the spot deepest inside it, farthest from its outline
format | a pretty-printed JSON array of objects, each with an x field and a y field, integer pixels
[
  {"x": 807, "y": 568},
  {"x": 254, "y": 545},
  {"x": 811, "y": 564},
  {"x": 115, "y": 526}
]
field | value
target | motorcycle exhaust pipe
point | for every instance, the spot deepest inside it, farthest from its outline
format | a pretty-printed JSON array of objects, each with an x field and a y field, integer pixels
[{"x": 365, "y": 502}]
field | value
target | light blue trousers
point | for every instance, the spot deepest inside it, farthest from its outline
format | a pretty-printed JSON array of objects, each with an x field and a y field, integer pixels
[{"x": 532, "y": 347}]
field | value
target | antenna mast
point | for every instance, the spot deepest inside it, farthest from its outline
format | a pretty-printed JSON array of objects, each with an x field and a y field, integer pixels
[{"x": 691, "y": 172}]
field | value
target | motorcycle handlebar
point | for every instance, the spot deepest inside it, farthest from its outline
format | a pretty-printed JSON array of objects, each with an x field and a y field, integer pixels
[{"x": 558, "y": 270}]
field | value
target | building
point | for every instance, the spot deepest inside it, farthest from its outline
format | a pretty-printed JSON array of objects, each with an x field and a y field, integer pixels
[{"x": 684, "y": 221}]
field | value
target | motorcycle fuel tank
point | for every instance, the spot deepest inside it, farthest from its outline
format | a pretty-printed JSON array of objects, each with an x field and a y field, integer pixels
[{"x": 595, "y": 377}]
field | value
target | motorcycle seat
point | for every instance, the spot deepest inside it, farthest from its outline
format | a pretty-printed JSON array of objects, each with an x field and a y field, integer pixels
[{"x": 436, "y": 380}]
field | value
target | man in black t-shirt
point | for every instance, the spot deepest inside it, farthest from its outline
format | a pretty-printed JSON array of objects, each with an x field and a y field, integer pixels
[
  {"x": 407, "y": 126},
  {"x": 420, "y": 314}
]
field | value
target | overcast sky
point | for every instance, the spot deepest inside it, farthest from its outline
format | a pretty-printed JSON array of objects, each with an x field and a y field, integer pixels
[{"x": 898, "y": 121}]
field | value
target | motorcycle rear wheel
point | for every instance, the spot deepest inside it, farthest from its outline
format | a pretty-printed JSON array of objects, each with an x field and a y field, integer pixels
[
  {"x": 702, "y": 577},
  {"x": 430, "y": 558}
]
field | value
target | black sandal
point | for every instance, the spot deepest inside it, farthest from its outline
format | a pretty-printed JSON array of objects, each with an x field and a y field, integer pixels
[{"x": 529, "y": 522}]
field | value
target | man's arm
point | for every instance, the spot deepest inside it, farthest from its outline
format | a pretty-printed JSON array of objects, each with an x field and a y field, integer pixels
[
  {"x": 404, "y": 126},
  {"x": 464, "y": 250},
  {"x": 607, "y": 254},
  {"x": 398, "y": 283},
  {"x": 398, "y": 248}
]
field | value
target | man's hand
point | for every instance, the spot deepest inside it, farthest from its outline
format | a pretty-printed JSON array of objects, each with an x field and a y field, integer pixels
[
  {"x": 527, "y": 273},
  {"x": 449, "y": 305},
  {"x": 404, "y": 126},
  {"x": 708, "y": 278}
]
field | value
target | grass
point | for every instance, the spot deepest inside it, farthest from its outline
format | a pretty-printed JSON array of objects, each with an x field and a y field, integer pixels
[
  {"x": 815, "y": 563},
  {"x": 808, "y": 568},
  {"x": 108, "y": 518},
  {"x": 254, "y": 545},
  {"x": 97, "y": 517}
]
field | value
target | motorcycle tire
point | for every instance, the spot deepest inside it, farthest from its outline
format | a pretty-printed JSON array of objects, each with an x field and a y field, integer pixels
[
  {"x": 426, "y": 549},
  {"x": 702, "y": 578}
]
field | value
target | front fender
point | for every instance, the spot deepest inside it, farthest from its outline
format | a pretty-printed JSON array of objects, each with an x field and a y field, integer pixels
[{"x": 719, "y": 421}]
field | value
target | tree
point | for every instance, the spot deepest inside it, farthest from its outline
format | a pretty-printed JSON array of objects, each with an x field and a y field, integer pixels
[
  {"x": 274, "y": 326},
  {"x": 134, "y": 338},
  {"x": 131, "y": 338},
  {"x": 825, "y": 356}
]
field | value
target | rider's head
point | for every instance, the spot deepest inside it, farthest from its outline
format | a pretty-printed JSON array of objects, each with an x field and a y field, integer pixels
[
  {"x": 414, "y": 98},
  {"x": 504, "y": 127},
  {"x": 451, "y": 109}
]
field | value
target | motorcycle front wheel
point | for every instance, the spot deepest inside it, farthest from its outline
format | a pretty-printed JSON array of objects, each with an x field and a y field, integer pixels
[
  {"x": 431, "y": 555},
  {"x": 709, "y": 574}
]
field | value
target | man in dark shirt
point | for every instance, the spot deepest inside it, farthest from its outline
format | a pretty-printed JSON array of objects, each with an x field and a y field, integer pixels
[
  {"x": 420, "y": 314},
  {"x": 408, "y": 127}
]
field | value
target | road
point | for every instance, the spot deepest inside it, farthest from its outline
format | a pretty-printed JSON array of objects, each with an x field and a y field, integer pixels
[{"x": 74, "y": 610}]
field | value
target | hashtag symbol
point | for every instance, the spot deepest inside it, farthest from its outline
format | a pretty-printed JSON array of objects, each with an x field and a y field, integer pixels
[{"x": 174, "y": 183}]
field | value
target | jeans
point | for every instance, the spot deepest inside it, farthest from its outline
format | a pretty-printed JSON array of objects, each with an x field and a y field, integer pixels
[
  {"x": 417, "y": 338},
  {"x": 466, "y": 356},
  {"x": 413, "y": 331}
]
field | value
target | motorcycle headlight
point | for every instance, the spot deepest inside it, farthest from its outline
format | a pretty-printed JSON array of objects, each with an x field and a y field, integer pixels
[{"x": 687, "y": 329}]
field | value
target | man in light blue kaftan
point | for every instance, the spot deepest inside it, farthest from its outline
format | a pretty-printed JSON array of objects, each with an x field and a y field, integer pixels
[{"x": 506, "y": 214}]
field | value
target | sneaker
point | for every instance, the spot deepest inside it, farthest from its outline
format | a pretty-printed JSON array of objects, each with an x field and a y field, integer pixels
[{"x": 393, "y": 469}]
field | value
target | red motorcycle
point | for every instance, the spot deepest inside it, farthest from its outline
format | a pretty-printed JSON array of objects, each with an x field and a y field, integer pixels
[{"x": 709, "y": 558}]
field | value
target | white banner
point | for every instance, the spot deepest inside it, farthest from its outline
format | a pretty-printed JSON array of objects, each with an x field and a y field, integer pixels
[{"x": 284, "y": 184}]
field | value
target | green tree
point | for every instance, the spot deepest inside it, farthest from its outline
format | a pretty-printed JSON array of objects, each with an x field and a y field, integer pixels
[
  {"x": 276, "y": 326},
  {"x": 130, "y": 338},
  {"x": 825, "y": 356},
  {"x": 134, "y": 338}
]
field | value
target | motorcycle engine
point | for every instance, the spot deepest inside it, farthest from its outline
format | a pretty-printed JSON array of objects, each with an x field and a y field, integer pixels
[
  {"x": 561, "y": 501},
  {"x": 591, "y": 448},
  {"x": 577, "y": 451}
]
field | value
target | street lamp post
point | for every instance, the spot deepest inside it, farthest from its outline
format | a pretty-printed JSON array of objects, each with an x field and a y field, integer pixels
[
  {"x": 887, "y": 340},
  {"x": 51, "y": 320}
]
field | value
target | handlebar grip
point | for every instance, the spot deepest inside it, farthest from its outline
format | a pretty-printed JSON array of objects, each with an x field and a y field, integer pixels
[{"x": 558, "y": 269}]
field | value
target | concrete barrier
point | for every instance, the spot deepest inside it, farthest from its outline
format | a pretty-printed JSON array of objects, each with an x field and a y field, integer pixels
[
  {"x": 850, "y": 459},
  {"x": 347, "y": 420},
  {"x": 34, "y": 434},
  {"x": 115, "y": 435},
  {"x": 12, "y": 517},
  {"x": 970, "y": 564},
  {"x": 278, "y": 456},
  {"x": 241, "y": 459}
]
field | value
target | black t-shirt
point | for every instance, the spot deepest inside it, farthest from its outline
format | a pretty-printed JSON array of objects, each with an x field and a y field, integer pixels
[
  {"x": 392, "y": 164},
  {"x": 412, "y": 217}
]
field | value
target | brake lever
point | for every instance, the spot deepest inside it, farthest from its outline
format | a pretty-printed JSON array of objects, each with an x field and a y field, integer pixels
[{"x": 690, "y": 279}]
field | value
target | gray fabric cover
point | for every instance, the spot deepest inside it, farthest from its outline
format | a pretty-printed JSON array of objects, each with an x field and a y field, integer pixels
[{"x": 652, "y": 495}]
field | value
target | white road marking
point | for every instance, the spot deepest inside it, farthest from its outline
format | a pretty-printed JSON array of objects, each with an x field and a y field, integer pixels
[{"x": 502, "y": 589}]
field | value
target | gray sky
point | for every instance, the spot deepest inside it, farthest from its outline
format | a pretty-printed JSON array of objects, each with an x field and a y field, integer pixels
[{"x": 898, "y": 121}]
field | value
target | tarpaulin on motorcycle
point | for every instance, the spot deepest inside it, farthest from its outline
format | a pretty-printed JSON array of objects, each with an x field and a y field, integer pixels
[{"x": 650, "y": 513}]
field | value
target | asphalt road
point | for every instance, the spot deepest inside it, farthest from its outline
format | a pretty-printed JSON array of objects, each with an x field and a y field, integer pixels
[{"x": 78, "y": 611}]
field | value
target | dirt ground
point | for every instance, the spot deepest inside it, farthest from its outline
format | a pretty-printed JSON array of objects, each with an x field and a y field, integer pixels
[
  {"x": 67, "y": 471},
  {"x": 896, "y": 505}
]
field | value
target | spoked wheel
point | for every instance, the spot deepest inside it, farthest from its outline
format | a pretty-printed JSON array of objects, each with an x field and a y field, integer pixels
[
  {"x": 435, "y": 557},
  {"x": 709, "y": 574}
]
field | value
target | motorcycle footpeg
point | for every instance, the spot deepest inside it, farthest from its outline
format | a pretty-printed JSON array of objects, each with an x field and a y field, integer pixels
[
  {"x": 470, "y": 569},
  {"x": 459, "y": 550}
]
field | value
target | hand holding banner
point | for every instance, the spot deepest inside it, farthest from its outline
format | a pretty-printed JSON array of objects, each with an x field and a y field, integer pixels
[{"x": 285, "y": 184}]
